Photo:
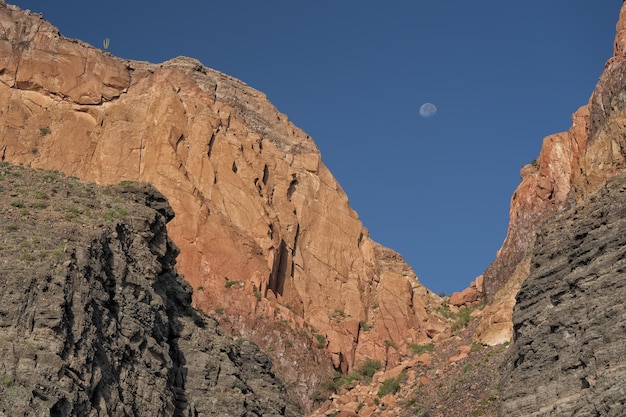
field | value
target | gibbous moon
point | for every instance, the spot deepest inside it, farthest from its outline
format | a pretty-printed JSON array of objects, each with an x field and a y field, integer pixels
[{"x": 428, "y": 110}]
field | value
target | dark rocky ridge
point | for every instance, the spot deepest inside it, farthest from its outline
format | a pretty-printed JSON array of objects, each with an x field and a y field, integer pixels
[
  {"x": 95, "y": 320},
  {"x": 568, "y": 357}
]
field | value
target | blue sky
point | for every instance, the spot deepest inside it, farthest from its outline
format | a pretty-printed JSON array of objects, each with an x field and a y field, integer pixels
[{"x": 353, "y": 74}]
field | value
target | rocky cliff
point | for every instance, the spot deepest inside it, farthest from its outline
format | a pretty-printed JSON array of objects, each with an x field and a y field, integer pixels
[
  {"x": 263, "y": 228},
  {"x": 95, "y": 320},
  {"x": 571, "y": 166},
  {"x": 569, "y": 321}
]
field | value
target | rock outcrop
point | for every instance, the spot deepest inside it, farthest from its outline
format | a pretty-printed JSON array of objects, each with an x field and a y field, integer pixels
[
  {"x": 95, "y": 320},
  {"x": 569, "y": 354},
  {"x": 263, "y": 228},
  {"x": 571, "y": 166},
  {"x": 470, "y": 296}
]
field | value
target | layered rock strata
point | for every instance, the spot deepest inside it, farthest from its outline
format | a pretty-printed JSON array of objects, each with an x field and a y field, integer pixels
[
  {"x": 261, "y": 223},
  {"x": 569, "y": 351},
  {"x": 95, "y": 320}
]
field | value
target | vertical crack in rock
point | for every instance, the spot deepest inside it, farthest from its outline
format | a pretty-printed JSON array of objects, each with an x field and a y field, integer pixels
[
  {"x": 292, "y": 187},
  {"x": 279, "y": 269}
]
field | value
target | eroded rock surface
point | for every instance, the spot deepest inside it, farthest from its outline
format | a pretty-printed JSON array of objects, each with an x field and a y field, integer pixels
[
  {"x": 569, "y": 351},
  {"x": 95, "y": 319}
]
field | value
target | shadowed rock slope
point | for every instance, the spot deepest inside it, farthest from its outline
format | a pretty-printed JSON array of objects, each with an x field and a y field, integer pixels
[
  {"x": 569, "y": 351},
  {"x": 95, "y": 320}
]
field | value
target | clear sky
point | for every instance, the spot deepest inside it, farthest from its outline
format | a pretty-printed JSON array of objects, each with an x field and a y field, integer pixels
[{"x": 354, "y": 73}]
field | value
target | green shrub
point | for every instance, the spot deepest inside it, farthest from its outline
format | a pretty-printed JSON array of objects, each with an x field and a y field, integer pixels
[
  {"x": 27, "y": 257},
  {"x": 331, "y": 385},
  {"x": 364, "y": 326},
  {"x": 391, "y": 343},
  {"x": 338, "y": 316},
  {"x": 321, "y": 341},
  {"x": 368, "y": 368},
  {"x": 392, "y": 385},
  {"x": 317, "y": 396},
  {"x": 59, "y": 251},
  {"x": 444, "y": 310},
  {"x": 6, "y": 380},
  {"x": 230, "y": 283},
  {"x": 476, "y": 347},
  {"x": 464, "y": 316},
  {"x": 419, "y": 349},
  {"x": 70, "y": 216}
]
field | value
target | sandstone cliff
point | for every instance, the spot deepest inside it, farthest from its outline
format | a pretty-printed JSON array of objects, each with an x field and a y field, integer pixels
[
  {"x": 571, "y": 166},
  {"x": 568, "y": 356},
  {"x": 263, "y": 228},
  {"x": 95, "y": 320}
]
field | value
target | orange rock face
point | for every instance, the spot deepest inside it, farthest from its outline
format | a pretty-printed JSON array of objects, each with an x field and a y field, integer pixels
[
  {"x": 570, "y": 166},
  {"x": 263, "y": 227},
  {"x": 470, "y": 296}
]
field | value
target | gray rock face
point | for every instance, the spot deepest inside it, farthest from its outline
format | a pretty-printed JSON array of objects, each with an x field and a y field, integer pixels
[
  {"x": 95, "y": 320},
  {"x": 568, "y": 357}
]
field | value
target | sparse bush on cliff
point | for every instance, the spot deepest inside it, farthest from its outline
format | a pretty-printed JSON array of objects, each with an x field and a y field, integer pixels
[
  {"x": 321, "y": 341},
  {"x": 368, "y": 368},
  {"x": 392, "y": 385},
  {"x": 364, "y": 373},
  {"x": 419, "y": 349},
  {"x": 463, "y": 317},
  {"x": 460, "y": 319}
]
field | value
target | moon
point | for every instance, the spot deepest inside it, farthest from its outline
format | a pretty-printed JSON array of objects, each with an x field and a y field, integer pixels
[{"x": 428, "y": 110}]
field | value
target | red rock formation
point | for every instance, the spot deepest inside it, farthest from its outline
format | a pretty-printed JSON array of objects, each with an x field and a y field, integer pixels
[
  {"x": 570, "y": 166},
  {"x": 263, "y": 227},
  {"x": 470, "y": 296}
]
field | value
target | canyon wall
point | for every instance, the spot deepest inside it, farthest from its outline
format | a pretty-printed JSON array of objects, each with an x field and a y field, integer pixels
[
  {"x": 567, "y": 357},
  {"x": 570, "y": 167},
  {"x": 264, "y": 229}
]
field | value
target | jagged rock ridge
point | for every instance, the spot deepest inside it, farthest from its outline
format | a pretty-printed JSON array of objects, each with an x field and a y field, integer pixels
[
  {"x": 569, "y": 321},
  {"x": 95, "y": 320}
]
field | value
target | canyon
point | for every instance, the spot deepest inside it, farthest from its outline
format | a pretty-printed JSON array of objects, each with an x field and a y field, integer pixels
[{"x": 269, "y": 246}]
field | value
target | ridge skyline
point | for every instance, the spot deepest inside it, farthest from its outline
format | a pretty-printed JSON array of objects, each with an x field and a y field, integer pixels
[{"x": 466, "y": 206}]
